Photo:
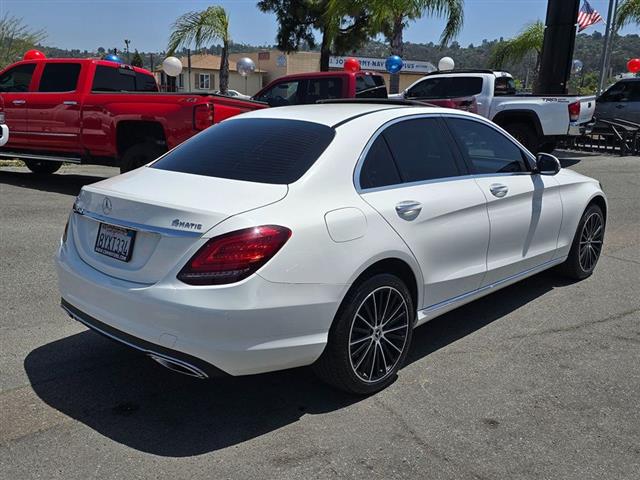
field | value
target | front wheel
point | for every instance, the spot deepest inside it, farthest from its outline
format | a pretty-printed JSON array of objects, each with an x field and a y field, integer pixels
[
  {"x": 43, "y": 167},
  {"x": 587, "y": 245},
  {"x": 370, "y": 336}
]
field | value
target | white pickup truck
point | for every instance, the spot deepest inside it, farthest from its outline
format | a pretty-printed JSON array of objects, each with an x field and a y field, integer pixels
[{"x": 537, "y": 121}]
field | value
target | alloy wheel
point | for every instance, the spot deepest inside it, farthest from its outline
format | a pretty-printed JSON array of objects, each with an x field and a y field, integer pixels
[
  {"x": 378, "y": 334},
  {"x": 591, "y": 241}
]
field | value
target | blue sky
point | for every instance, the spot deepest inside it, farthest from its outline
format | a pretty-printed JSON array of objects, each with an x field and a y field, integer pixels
[{"x": 89, "y": 24}]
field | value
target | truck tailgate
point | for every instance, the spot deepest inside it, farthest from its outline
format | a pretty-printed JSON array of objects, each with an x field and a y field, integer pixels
[{"x": 587, "y": 108}]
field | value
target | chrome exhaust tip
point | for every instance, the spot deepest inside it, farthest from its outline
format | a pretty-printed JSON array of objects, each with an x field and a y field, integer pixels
[{"x": 179, "y": 366}]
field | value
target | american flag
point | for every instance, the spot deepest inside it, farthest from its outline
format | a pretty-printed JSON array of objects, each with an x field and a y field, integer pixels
[{"x": 587, "y": 16}]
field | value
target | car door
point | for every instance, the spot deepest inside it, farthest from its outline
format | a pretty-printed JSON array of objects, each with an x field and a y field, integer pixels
[
  {"x": 525, "y": 210},
  {"x": 14, "y": 88},
  {"x": 412, "y": 175},
  {"x": 54, "y": 108}
]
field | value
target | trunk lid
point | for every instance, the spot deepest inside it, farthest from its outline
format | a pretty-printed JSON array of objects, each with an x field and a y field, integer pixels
[{"x": 168, "y": 211}]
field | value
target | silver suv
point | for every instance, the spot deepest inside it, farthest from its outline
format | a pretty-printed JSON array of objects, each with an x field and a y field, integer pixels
[{"x": 621, "y": 101}]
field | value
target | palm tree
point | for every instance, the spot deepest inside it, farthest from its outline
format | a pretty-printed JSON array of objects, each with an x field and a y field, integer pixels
[
  {"x": 628, "y": 12},
  {"x": 517, "y": 48},
  {"x": 392, "y": 16},
  {"x": 199, "y": 28}
]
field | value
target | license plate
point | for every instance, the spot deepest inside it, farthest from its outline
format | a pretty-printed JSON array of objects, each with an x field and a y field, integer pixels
[{"x": 115, "y": 242}]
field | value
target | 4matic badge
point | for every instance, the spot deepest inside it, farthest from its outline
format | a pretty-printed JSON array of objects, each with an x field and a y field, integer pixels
[{"x": 189, "y": 225}]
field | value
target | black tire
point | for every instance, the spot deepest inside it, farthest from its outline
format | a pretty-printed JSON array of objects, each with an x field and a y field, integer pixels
[
  {"x": 43, "y": 167},
  {"x": 140, "y": 154},
  {"x": 335, "y": 365},
  {"x": 585, "y": 245},
  {"x": 548, "y": 147},
  {"x": 525, "y": 134}
]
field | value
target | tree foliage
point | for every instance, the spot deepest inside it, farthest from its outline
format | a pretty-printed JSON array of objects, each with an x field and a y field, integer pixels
[
  {"x": 628, "y": 12},
  {"x": 343, "y": 25},
  {"x": 517, "y": 48},
  {"x": 202, "y": 27},
  {"x": 16, "y": 38},
  {"x": 137, "y": 61}
]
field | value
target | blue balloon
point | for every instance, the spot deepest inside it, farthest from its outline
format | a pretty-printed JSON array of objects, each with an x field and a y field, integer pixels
[
  {"x": 112, "y": 57},
  {"x": 393, "y": 64}
]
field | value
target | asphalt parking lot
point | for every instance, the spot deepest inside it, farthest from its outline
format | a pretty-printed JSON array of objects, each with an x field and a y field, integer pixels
[{"x": 538, "y": 381}]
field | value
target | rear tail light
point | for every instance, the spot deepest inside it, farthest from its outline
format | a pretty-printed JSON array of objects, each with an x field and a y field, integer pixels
[
  {"x": 234, "y": 256},
  {"x": 202, "y": 116},
  {"x": 574, "y": 111}
]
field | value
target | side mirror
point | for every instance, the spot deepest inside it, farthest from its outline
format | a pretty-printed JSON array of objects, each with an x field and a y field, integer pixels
[{"x": 547, "y": 164}]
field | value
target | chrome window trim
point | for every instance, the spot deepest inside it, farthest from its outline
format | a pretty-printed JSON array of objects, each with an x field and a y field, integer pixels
[
  {"x": 167, "y": 232},
  {"x": 384, "y": 126}
]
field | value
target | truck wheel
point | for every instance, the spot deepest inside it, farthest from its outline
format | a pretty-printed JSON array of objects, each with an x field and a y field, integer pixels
[
  {"x": 525, "y": 134},
  {"x": 140, "y": 154},
  {"x": 548, "y": 147},
  {"x": 42, "y": 167}
]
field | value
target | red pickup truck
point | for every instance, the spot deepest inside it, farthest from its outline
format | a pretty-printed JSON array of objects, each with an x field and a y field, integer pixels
[
  {"x": 304, "y": 88},
  {"x": 99, "y": 112}
]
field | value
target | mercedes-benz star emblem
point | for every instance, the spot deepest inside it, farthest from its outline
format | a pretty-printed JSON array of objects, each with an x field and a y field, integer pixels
[{"x": 106, "y": 206}]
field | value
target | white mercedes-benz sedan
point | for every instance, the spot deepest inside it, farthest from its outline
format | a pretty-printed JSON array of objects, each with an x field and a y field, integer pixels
[{"x": 319, "y": 235}]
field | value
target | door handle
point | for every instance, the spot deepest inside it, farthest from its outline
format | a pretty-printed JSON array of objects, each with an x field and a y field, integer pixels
[
  {"x": 408, "y": 210},
  {"x": 498, "y": 189},
  {"x": 19, "y": 102},
  {"x": 70, "y": 102}
]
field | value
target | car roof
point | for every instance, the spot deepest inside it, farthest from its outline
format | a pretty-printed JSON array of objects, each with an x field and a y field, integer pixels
[{"x": 336, "y": 114}]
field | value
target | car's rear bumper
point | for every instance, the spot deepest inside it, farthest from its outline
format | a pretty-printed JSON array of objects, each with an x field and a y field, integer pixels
[
  {"x": 250, "y": 327},
  {"x": 577, "y": 129}
]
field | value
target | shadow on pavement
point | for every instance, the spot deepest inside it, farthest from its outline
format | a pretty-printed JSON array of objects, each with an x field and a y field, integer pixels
[
  {"x": 68, "y": 184},
  {"x": 129, "y": 399}
]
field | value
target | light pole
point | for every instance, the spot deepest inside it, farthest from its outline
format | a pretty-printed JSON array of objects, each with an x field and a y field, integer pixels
[{"x": 127, "y": 42}]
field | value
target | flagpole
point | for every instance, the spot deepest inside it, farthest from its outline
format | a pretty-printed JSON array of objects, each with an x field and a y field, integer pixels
[
  {"x": 612, "y": 39},
  {"x": 605, "y": 48}
]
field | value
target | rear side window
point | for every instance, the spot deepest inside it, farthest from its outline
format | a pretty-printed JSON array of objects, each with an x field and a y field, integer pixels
[
  {"x": 59, "y": 77},
  {"x": 487, "y": 149},
  {"x": 17, "y": 79},
  {"x": 421, "y": 150},
  {"x": 111, "y": 79},
  {"x": 275, "y": 151},
  {"x": 322, "y": 88},
  {"x": 446, "y": 87},
  {"x": 379, "y": 169},
  {"x": 370, "y": 86}
]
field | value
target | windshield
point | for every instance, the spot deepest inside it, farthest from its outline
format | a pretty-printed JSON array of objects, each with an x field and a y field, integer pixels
[{"x": 263, "y": 150}]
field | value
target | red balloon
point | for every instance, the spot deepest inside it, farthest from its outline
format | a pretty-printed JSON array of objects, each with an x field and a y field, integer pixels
[
  {"x": 351, "y": 64},
  {"x": 34, "y": 55},
  {"x": 633, "y": 65}
]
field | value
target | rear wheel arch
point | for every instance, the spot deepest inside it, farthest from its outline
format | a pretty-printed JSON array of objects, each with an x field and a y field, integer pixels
[
  {"x": 133, "y": 132},
  {"x": 526, "y": 117},
  {"x": 394, "y": 266}
]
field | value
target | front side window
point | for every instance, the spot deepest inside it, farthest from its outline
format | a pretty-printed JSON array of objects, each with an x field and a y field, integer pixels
[
  {"x": 488, "y": 150},
  {"x": 59, "y": 77},
  {"x": 276, "y": 151},
  {"x": 281, "y": 94},
  {"x": 204, "y": 81},
  {"x": 446, "y": 87},
  {"x": 421, "y": 150},
  {"x": 622, "y": 92},
  {"x": 17, "y": 79},
  {"x": 370, "y": 86}
]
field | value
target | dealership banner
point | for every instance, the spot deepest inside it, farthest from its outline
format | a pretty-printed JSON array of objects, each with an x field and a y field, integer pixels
[{"x": 377, "y": 64}]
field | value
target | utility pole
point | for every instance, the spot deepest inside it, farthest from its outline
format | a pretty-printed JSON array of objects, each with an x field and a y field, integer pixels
[
  {"x": 557, "y": 48},
  {"x": 609, "y": 33}
]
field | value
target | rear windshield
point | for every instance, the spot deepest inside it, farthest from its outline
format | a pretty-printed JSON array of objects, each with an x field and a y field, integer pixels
[
  {"x": 263, "y": 150},
  {"x": 111, "y": 79},
  {"x": 446, "y": 87}
]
